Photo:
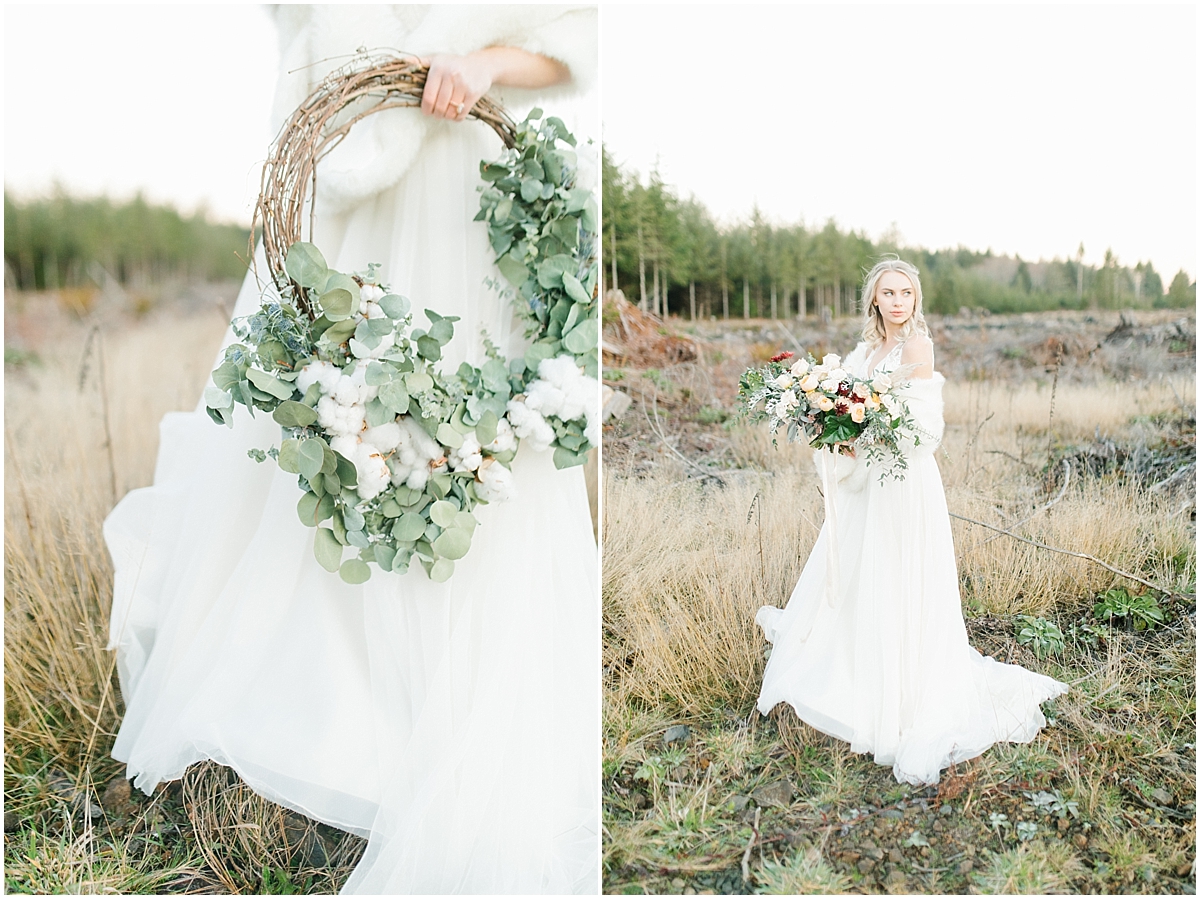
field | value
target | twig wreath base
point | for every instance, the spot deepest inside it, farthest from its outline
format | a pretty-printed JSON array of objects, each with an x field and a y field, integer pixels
[{"x": 392, "y": 454}]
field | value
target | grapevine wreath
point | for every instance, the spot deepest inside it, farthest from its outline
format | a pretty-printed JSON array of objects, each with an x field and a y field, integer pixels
[{"x": 391, "y": 453}]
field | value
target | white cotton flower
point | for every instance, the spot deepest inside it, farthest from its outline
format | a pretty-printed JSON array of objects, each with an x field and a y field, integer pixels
[
  {"x": 370, "y": 293},
  {"x": 373, "y": 472},
  {"x": 505, "y": 440},
  {"x": 563, "y": 390},
  {"x": 785, "y": 380},
  {"x": 373, "y": 310},
  {"x": 346, "y": 444},
  {"x": 800, "y": 368},
  {"x": 346, "y": 392},
  {"x": 313, "y": 373},
  {"x": 385, "y": 436},
  {"x": 418, "y": 478},
  {"x": 495, "y": 482},
  {"x": 468, "y": 456},
  {"x": 592, "y": 431},
  {"x": 327, "y": 408},
  {"x": 585, "y": 166},
  {"x": 529, "y": 425}
]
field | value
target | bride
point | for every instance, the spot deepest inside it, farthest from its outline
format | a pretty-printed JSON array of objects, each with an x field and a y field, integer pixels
[
  {"x": 456, "y": 725},
  {"x": 883, "y": 661}
]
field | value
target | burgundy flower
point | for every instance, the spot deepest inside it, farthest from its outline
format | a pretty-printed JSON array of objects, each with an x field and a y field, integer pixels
[
  {"x": 841, "y": 408},
  {"x": 782, "y": 356},
  {"x": 843, "y": 389}
]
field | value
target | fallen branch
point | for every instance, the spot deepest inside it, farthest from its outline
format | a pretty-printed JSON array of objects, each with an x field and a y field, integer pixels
[
  {"x": 660, "y": 433},
  {"x": 750, "y": 845},
  {"x": 1038, "y": 511},
  {"x": 1077, "y": 555}
]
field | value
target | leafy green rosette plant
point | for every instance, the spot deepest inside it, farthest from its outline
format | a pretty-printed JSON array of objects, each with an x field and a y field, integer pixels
[{"x": 392, "y": 454}]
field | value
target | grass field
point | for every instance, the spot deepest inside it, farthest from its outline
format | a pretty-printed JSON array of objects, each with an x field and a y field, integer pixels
[{"x": 703, "y": 795}]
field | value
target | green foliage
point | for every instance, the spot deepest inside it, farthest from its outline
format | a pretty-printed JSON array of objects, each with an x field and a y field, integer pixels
[
  {"x": 1044, "y": 636},
  {"x": 58, "y": 240},
  {"x": 1138, "y": 611}
]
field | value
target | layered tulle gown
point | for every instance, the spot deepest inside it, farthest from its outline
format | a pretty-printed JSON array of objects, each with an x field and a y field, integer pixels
[
  {"x": 456, "y": 725},
  {"x": 878, "y": 654}
]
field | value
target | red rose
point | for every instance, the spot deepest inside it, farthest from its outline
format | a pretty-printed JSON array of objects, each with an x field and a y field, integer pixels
[{"x": 781, "y": 356}]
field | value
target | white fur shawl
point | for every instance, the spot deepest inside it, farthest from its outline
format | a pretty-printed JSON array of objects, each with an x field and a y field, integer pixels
[{"x": 315, "y": 40}]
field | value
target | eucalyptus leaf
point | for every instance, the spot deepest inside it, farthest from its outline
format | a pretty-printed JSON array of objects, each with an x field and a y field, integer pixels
[
  {"x": 291, "y": 414},
  {"x": 465, "y": 521},
  {"x": 307, "y": 509},
  {"x": 442, "y": 513},
  {"x": 310, "y": 456},
  {"x": 485, "y": 429},
  {"x": 305, "y": 265},
  {"x": 337, "y": 304},
  {"x": 418, "y": 382},
  {"x": 449, "y": 436},
  {"x": 355, "y": 571},
  {"x": 394, "y": 306},
  {"x": 394, "y": 396},
  {"x": 441, "y": 571},
  {"x": 346, "y": 472},
  {"x": 327, "y": 549},
  {"x": 341, "y": 331},
  {"x": 583, "y": 337},
  {"x": 268, "y": 383},
  {"x": 216, "y": 398},
  {"x": 429, "y": 348},
  {"x": 288, "y": 456},
  {"x": 384, "y": 556},
  {"x": 453, "y": 543},
  {"x": 409, "y": 526}
]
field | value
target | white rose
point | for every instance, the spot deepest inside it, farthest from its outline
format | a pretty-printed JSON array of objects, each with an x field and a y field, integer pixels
[
  {"x": 824, "y": 403},
  {"x": 831, "y": 361},
  {"x": 810, "y": 382},
  {"x": 861, "y": 390},
  {"x": 881, "y": 384},
  {"x": 830, "y": 385},
  {"x": 800, "y": 367},
  {"x": 785, "y": 381},
  {"x": 789, "y": 399},
  {"x": 857, "y": 412},
  {"x": 872, "y": 403}
]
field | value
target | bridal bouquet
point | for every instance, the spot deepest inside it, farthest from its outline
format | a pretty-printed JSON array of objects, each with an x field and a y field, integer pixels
[
  {"x": 831, "y": 407},
  {"x": 392, "y": 455}
]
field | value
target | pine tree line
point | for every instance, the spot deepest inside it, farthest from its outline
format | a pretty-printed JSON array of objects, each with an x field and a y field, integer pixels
[
  {"x": 64, "y": 241},
  {"x": 668, "y": 255}
]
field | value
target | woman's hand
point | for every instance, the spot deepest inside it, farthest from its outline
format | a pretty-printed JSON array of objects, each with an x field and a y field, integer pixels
[{"x": 455, "y": 83}]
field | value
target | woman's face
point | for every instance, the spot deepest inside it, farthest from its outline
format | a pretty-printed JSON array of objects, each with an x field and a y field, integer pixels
[{"x": 895, "y": 297}]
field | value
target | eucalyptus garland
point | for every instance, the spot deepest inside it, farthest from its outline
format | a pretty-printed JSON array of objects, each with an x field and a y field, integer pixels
[{"x": 391, "y": 453}]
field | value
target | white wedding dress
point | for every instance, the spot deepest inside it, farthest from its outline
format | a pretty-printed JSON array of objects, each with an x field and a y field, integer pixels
[
  {"x": 884, "y": 664},
  {"x": 456, "y": 725}
]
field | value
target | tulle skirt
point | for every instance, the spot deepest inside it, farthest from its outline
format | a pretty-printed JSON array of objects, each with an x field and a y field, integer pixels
[
  {"x": 456, "y": 725},
  {"x": 886, "y": 665}
]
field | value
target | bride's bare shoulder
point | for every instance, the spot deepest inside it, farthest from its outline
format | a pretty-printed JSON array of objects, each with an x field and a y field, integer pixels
[{"x": 918, "y": 351}]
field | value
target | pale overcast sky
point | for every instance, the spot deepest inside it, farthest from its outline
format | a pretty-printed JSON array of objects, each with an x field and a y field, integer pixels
[
  {"x": 1026, "y": 128},
  {"x": 171, "y": 100}
]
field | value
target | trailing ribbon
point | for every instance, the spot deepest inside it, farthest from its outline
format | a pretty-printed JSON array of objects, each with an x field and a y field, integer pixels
[{"x": 829, "y": 482}]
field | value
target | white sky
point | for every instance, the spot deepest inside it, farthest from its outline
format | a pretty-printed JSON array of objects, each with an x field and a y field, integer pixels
[
  {"x": 1026, "y": 129},
  {"x": 172, "y": 100}
]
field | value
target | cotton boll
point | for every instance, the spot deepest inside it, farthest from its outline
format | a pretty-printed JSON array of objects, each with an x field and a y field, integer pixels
[
  {"x": 559, "y": 370},
  {"x": 468, "y": 456},
  {"x": 346, "y": 391},
  {"x": 385, "y": 436},
  {"x": 326, "y": 412},
  {"x": 592, "y": 431},
  {"x": 418, "y": 478},
  {"x": 505, "y": 440},
  {"x": 543, "y": 397},
  {"x": 529, "y": 425},
  {"x": 495, "y": 483},
  {"x": 422, "y": 442},
  {"x": 311, "y": 374},
  {"x": 373, "y": 310},
  {"x": 373, "y": 473},
  {"x": 346, "y": 444},
  {"x": 371, "y": 293},
  {"x": 356, "y": 419}
]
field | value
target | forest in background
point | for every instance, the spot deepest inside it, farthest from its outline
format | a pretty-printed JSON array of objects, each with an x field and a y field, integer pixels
[
  {"x": 64, "y": 241},
  {"x": 670, "y": 256}
]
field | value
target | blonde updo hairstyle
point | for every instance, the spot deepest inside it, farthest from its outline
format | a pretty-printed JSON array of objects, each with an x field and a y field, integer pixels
[{"x": 873, "y": 331}]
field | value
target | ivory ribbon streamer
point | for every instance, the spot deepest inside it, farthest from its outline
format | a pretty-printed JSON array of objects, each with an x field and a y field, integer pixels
[{"x": 829, "y": 481}]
